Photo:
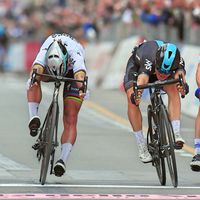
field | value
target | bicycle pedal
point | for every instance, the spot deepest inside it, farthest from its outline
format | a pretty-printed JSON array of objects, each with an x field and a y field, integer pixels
[{"x": 36, "y": 146}]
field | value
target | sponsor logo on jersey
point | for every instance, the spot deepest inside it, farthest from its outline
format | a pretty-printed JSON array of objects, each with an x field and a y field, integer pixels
[
  {"x": 137, "y": 57},
  {"x": 181, "y": 61},
  {"x": 148, "y": 64},
  {"x": 63, "y": 34}
]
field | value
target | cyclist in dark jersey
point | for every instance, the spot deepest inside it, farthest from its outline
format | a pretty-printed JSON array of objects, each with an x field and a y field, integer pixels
[{"x": 151, "y": 61}]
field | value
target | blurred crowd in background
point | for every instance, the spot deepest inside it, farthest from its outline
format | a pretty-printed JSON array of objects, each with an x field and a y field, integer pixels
[{"x": 99, "y": 20}]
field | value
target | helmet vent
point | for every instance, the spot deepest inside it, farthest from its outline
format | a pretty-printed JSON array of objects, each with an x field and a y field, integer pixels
[
  {"x": 170, "y": 53},
  {"x": 166, "y": 66}
]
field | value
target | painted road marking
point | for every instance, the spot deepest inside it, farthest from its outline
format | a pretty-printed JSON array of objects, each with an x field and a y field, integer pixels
[{"x": 96, "y": 196}]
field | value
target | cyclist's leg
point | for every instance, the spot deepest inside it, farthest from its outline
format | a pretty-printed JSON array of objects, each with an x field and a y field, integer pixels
[
  {"x": 134, "y": 113},
  {"x": 195, "y": 163},
  {"x": 34, "y": 96},
  {"x": 72, "y": 105},
  {"x": 174, "y": 107}
]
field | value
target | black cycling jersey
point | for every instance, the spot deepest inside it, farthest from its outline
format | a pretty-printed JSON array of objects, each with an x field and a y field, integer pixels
[{"x": 143, "y": 59}]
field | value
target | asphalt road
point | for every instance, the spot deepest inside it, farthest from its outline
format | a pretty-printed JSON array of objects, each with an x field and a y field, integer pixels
[{"x": 104, "y": 161}]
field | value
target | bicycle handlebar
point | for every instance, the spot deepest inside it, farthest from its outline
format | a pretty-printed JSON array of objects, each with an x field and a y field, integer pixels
[
  {"x": 161, "y": 83},
  {"x": 59, "y": 79}
]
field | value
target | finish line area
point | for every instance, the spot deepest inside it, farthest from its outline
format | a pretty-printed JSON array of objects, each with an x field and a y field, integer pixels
[{"x": 94, "y": 196}]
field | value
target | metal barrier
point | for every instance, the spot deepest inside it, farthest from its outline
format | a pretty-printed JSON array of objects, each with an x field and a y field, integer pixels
[{"x": 117, "y": 31}]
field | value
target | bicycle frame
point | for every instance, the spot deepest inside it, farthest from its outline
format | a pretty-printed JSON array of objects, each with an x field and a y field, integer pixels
[
  {"x": 47, "y": 140},
  {"x": 160, "y": 139},
  {"x": 39, "y": 142},
  {"x": 153, "y": 134}
]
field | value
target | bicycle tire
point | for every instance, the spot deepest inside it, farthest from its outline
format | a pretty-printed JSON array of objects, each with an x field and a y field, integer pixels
[
  {"x": 48, "y": 133},
  {"x": 154, "y": 147},
  {"x": 168, "y": 144}
]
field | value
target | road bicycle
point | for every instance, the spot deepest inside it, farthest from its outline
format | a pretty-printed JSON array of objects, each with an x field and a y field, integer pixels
[
  {"x": 160, "y": 135},
  {"x": 47, "y": 141}
]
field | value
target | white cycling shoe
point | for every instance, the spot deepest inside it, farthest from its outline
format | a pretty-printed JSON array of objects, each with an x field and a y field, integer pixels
[{"x": 144, "y": 154}]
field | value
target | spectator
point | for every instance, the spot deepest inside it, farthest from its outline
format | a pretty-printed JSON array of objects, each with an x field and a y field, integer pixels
[
  {"x": 3, "y": 46},
  {"x": 179, "y": 19}
]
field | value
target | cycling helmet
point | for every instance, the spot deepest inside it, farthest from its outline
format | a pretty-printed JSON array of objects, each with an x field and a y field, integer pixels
[
  {"x": 57, "y": 58},
  {"x": 167, "y": 58}
]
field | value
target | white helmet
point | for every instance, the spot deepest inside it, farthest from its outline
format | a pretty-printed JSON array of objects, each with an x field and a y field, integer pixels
[{"x": 56, "y": 58}]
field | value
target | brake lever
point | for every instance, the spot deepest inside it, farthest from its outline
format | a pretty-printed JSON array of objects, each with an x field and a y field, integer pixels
[
  {"x": 33, "y": 76},
  {"x": 134, "y": 95},
  {"x": 85, "y": 84},
  {"x": 184, "y": 85}
]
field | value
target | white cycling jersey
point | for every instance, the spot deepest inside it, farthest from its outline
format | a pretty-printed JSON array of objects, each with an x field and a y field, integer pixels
[{"x": 75, "y": 51}]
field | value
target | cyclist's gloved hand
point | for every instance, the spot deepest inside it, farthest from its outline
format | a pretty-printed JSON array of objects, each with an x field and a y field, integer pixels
[
  {"x": 30, "y": 84},
  {"x": 183, "y": 89},
  {"x": 82, "y": 93},
  {"x": 136, "y": 99},
  {"x": 197, "y": 93},
  {"x": 186, "y": 89}
]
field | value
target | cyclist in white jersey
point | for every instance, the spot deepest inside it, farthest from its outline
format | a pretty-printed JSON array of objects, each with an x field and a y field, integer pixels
[{"x": 60, "y": 54}]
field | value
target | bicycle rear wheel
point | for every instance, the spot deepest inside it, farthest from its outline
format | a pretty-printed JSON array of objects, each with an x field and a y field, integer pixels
[
  {"x": 167, "y": 135},
  {"x": 48, "y": 134},
  {"x": 154, "y": 147}
]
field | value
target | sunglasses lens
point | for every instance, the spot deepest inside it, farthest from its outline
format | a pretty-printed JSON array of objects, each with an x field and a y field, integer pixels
[{"x": 164, "y": 72}]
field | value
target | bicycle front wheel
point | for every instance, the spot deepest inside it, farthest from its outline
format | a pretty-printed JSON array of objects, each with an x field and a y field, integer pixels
[
  {"x": 167, "y": 136},
  {"x": 48, "y": 134},
  {"x": 153, "y": 144}
]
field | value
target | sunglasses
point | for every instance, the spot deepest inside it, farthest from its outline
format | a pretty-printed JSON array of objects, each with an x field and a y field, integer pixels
[{"x": 161, "y": 71}]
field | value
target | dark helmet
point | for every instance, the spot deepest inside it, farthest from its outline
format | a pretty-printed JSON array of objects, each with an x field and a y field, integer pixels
[
  {"x": 167, "y": 58},
  {"x": 57, "y": 58}
]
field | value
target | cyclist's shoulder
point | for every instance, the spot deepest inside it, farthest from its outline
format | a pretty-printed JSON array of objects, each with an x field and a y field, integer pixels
[
  {"x": 66, "y": 38},
  {"x": 146, "y": 51},
  {"x": 147, "y": 47}
]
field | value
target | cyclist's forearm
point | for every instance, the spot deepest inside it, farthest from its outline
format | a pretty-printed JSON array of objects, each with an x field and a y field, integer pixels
[{"x": 80, "y": 75}]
